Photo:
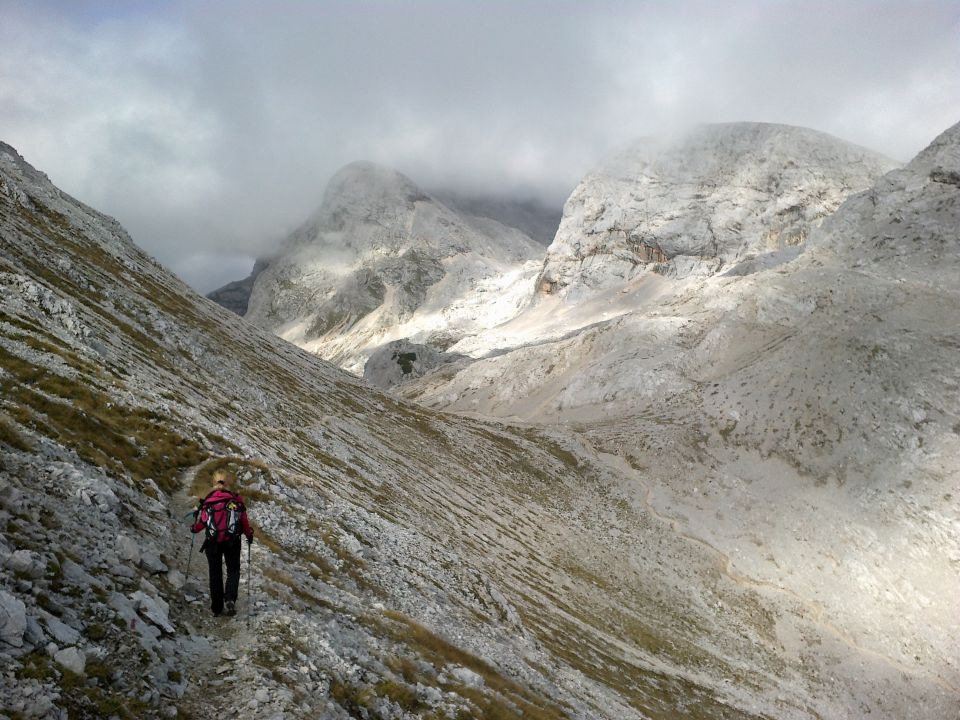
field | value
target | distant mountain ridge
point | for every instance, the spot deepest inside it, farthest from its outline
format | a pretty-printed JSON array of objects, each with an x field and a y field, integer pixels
[
  {"x": 382, "y": 260},
  {"x": 235, "y": 296},
  {"x": 532, "y": 216}
]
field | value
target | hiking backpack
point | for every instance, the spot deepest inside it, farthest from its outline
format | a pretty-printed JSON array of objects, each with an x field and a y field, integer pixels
[{"x": 223, "y": 518}]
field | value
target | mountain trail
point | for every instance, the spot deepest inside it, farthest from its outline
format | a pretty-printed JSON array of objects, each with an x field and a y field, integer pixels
[{"x": 218, "y": 648}]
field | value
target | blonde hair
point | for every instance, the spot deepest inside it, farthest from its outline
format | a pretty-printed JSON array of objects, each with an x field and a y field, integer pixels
[{"x": 222, "y": 477}]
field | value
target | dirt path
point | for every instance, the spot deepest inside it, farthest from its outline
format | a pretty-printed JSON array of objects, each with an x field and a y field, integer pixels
[{"x": 216, "y": 647}]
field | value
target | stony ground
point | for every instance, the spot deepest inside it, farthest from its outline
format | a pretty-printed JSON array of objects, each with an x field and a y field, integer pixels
[{"x": 410, "y": 563}]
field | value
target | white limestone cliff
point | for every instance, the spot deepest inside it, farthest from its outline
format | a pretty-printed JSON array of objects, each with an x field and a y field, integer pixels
[
  {"x": 381, "y": 260},
  {"x": 698, "y": 202}
]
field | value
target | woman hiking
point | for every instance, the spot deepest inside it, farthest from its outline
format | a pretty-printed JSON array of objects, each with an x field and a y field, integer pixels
[{"x": 224, "y": 517}]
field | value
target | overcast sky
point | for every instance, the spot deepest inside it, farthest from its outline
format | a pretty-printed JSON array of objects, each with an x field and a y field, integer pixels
[{"x": 210, "y": 129}]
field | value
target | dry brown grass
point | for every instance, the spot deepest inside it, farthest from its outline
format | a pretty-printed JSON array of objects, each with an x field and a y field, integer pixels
[
  {"x": 75, "y": 413},
  {"x": 509, "y": 700}
]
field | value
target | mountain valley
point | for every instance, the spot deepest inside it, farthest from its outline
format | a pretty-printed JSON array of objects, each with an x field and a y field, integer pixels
[{"x": 697, "y": 458}]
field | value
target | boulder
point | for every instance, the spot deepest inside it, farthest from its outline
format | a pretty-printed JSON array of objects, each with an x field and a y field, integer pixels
[
  {"x": 26, "y": 563},
  {"x": 128, "y": 550},
  {"x": 72, "y": 659},
  {"x": 176, "y": 579},
  {"x": 151, "y": 562},
  {"x": 468, "y": 677},
  {"x": 13, "y": 619},
  {"x": 60, "y": 631},
  {"x": 153, "y": 609}
]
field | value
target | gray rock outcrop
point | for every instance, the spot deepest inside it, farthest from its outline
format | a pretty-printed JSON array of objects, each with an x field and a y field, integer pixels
[
  {"x": 401, "y": 361},
  {"x": 702, "y": 201},
  {"x": 13, "y": 619},
  {"x": 382, "y": 260},
  {"x": 72, "y": 659}
]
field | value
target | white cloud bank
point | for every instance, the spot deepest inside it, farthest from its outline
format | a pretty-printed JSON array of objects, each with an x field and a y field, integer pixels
[{"x": 209, "y": 129}]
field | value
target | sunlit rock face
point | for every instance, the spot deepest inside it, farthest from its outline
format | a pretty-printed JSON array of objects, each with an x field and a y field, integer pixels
[
  {"x": 799, "y": 416},
  {"x": 696, "y": 203},
  {"x": 382, "y": 260}
]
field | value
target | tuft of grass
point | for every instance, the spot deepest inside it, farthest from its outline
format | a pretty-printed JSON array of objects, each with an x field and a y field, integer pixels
[
  {"x": 405, "y": 667},
  {"x": 310, "y": 599},
  {"x": 514, "y": 701},
  {"x": 73, "y": 412},
  {"x": 36, "y": 666},
  {"x": 11, "y": 437},
  {"x": 355, "y": 699},
  {"x": 96, "y": 632},
  {"x": 400, "y": 693}
]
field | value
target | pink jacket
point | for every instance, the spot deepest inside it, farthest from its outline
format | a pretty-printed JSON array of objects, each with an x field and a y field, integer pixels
[{"x": 220, "y": 495}]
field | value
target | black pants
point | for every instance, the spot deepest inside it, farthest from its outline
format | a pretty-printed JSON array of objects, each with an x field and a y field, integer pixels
[{"x": 216, "y": 554}]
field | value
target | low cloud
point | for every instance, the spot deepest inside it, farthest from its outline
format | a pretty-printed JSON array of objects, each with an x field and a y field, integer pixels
[{"x": 210, "y": 129}]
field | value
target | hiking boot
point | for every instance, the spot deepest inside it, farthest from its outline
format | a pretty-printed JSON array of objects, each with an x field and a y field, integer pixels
[{"x": 231, "y": 608}]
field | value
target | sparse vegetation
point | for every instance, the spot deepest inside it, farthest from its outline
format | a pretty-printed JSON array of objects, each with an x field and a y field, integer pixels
[
  {"x": 79, "y": 697},
  {"x": 509, "y": 699},
  {"x": 75, "y": 413},
  {"x": 11, "y": 437}
]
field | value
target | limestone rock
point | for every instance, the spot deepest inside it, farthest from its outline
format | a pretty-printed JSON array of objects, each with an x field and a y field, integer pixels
[
  {"x": 60, "y": 631},
  {"x": 128, "y": 549},
  {"x": 153, "y": 609},
  {"x": 381, "y": 260},
  {"x": 151, "y": 562},
  {"x": 714, "y": 195},
  {"x": 13, "y": 619},
  {"x": 468, "y": 677},
  {"x": 72, "y": 659},
  {"x": 26, "y": 563}
]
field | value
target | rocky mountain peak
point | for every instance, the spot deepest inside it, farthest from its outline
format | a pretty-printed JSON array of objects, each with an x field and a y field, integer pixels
[
  {"x": 702, "y": 200},
  {"x": 18, "y": 179},
  {"x": 366, "y": 190},
  {"x": 381, "y": 260},
  {"x": 940, "y": 162}
]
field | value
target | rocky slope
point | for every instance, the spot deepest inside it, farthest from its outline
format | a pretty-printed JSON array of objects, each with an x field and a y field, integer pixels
[
  {"x": 382, "y": 260},
  {"x": 701, "y": 201},
  {"x": 407, "y": 565},
  {"x": 798, "y": 415},
  {"x": 682, "y": 557}
]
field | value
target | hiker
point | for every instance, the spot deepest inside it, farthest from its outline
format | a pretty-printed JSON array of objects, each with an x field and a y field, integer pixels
[{"x": 223, "y": 515}]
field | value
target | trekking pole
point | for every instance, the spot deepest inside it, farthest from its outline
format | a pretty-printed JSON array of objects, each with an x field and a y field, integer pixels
[
  {"x": 193, "y": 537},
  {"x": 249, "y": 573}
]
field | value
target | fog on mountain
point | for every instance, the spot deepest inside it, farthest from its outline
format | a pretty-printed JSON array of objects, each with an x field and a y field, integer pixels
[{"x": 694, "y": 456}]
